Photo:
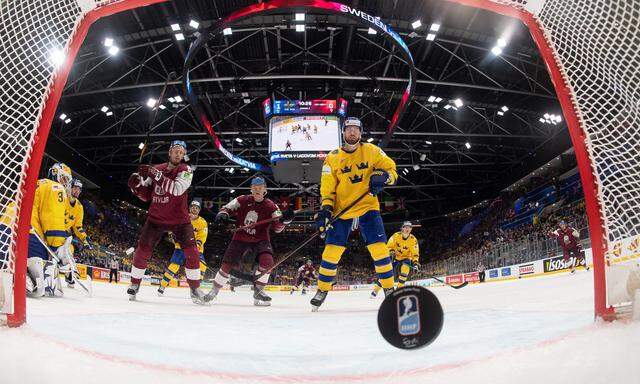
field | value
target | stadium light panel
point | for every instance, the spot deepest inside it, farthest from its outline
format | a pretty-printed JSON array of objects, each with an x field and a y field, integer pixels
[
  {"x": 113, "y": 50},
  {"x": 372, "y": 31},
  {"x": 104, "y": 109},
  {"x": 194, "y": 24},
  {"x": 232, "y": 191},
  {"x": 179, "y": 36},
  {"x": 56, "y": 56},
  {"x": 435, "y": 27},
  {"x": 423, "y": 157},
  {"x": 428, "y": 142},
  {"x": 431, "y": 36},
  {"x": 438, "y": 99},
  {"x": 300, "y": 27},
  {"x": 227, "y": 31},
  {"x": 359, "y": 94},
  {"x": 109, "y": 113},
  {"x": 151, "y": 102},
  {"x": 299, "y": 16},
  {"x": 431, "y": 99},
  {"x": 140, "y": 146},
  {"x": 63, "y": 117},
  {"x": 239, "y": 140},
  {"x": 247, "y": 101},
  {"x": 357, "y": 100},
  {"x": 67, "y": 121},
  {"x": 178, "y": 99},
  {"x": 502, "y": 42},
  {"x": 458, "y": 103},
  {"x": 416, "y": 167},
  {"x": 245, "y": 94},
  {"x": 496, "y": 50},
  {"x": 504, "y": 108},
  {"x": 161, "y": 106},
  {"x": 468, "y": 145},
  {"x": 541, "y": 120},
  {"x": 416, "y": 24},
  {"x": 175, "y": 27},
  {"x": 171, "y": 100},
  {"x": 447, "y": 106},
  {"x": 108, "y": 42}
]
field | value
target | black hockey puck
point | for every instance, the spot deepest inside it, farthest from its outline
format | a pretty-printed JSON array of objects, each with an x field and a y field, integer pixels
[{"x": 410, "y": 318}]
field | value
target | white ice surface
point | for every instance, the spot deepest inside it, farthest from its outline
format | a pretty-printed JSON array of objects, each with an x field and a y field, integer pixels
[{"x": 528, "y": 331}]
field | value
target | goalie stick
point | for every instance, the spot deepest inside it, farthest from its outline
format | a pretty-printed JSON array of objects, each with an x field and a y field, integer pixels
[{"x": 72, "y": 265}]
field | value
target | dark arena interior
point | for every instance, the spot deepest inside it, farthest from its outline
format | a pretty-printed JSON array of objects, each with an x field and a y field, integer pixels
[{"x": 498, "y": 149}]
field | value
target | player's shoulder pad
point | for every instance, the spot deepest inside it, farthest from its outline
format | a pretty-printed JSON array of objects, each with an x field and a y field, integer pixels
[{"x": 183, "y": 167}]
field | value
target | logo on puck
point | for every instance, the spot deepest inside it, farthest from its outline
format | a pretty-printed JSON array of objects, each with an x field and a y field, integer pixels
[{"x": 408, "y": 315}]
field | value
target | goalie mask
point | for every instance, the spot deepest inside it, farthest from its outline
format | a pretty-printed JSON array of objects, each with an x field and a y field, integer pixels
[{"x": 61, "y": 173}]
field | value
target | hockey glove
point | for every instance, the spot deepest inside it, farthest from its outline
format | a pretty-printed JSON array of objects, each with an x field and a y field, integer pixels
[
  {"x": 378, "y": 181},
  {"x": 287, "y": 216},
  {"x": 221, "y": 218},
  {"x": 323, "y": 217},
  {"x": 150, "y": 171},
  {"x": 134, "y": 182}
]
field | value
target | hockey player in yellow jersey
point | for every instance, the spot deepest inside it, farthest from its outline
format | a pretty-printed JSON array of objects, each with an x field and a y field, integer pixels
[
  {"x": 348, "y": 173},
  {"x": 201, "y": 230},
  {"x": 404, "y": 249},
  {"x": 75, "y": 218},
  {"x": 48, "y": 222},
  {"x": 7, "y": 220}
]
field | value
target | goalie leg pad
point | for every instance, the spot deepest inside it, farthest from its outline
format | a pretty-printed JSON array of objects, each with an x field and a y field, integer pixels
[{"x": 35, "y": 270}]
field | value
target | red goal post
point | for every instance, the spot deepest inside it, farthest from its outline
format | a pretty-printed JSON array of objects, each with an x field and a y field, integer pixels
[{"x": 589, "y": 47}]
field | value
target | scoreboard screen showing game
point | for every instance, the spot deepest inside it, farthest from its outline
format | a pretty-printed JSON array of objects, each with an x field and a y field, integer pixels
[{"x": 289, "y": 135}]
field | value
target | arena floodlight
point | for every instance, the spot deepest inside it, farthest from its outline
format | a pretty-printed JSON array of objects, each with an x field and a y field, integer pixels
[
  {"x": 151, "y": 102},
  {"x": 300, "y": 27},
  {"x": 458, "y": 103},
  {"x": 371, "y": 31},
  {"x": 447, "y": 106},
  {"x": 239, "y": 140},
  {"x": 357, "y": 100},
  {"x": 416, "y": 167},
  {"x": 416, "y": 24},
  {"x": 56, "y": 56},
  {"x": 558, "y": 118},
  {"x": 113, "y": 50},
  {"x": 359, "y": 94},
  {"x": 500, "y": 113},
  {"x": 435, "y": 27},
  {"x": 232, "y": 191},
  {"x": 428, "y": 142},
  {"x": 504, "y": 108},
  {"x": 299, "y": 16},
  {"x": 194, "y": 24},
  {"x": 108, "y": 42},
  {"x": 179, "y": 36},
  {"x": 140, "y": 146},
  {"x": 423, "y": 157},
  {"x": 161, "y": 106},
  {"x": 468, "y": 145},
  {"x": 175, "y": 27},
  {"x": 178, "y": 99},
  {"x": 245, "y": 169},
  {"x": 431, "y": 99},
  {"x": 370, "y": 140},
  {"x": 246, "y": 101},
  {"x": 104, "y": 109},
  {"x": 231, "y": 170},
  {"x": 63, "y": 117},
  {"x": 109, "y": 113},
  {"x": 227, "y": 31},
  {"x": 438, "y": 99},
  {"x": 172, "y": 100},
  {"x": 245, "y": 94},
  {"x": 541, "y": 120},
  {"x": 496, "y": 50},
  {"x": 431, "y": 36},
  {"x": 67, "y": 121},
  {"x": 502, "y": 42}
]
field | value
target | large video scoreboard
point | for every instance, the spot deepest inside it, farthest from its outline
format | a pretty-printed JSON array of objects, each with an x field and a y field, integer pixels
[{"x": 301, "y": 134}]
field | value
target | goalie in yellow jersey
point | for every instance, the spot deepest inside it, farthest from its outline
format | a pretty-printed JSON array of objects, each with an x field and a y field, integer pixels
[
  {"x": 200, "y": 230},
  {"x": 405, "y": 252},
  {"x": 48, "y": 223},
  {"x": 348, "y": 173}
]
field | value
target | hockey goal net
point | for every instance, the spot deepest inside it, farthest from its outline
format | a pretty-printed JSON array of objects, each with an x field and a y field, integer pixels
[{"x": 590, "y": 48}]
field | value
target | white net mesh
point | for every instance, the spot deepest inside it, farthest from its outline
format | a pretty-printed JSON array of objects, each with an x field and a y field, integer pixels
[{"x": 596, "y": 44}]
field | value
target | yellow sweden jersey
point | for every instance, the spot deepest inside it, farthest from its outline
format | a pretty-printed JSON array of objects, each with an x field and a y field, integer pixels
[
  {"x": 9, "y": 215},
  {"x": 200, "y": 230},
  {"x": 404, "y": 248},
  {"x": 48, "y": 215},
  {"x": 345, "y": 177},
  {"x": 75, "y": 216}
]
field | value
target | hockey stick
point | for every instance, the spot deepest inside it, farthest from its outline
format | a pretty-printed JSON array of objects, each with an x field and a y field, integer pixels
[
  {"x": 265, "y": 221},
  {"x": 451, "y": 285},
  {"x": 170, "y": 76},
  {"x": 72, "y": 265},
  {"x": 312, "y": 237}
]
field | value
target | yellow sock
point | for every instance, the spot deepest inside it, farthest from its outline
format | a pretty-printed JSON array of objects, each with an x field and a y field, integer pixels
[
  {"x": 382, "y": 262},
  {"x": 169, "y": 275},
  {"x": 404, "y": 274},
  {"x": 377, "y": 287},
  {"x": 329, "y": 266}
]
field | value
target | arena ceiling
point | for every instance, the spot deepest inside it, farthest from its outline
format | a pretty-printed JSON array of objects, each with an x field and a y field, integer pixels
[{"x": 334, "y": 57}]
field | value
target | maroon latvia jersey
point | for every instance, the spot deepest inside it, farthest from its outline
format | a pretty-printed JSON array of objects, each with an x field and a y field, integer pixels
[
  {"x": 247, "y": 211},
  {"x": 568, "y": 238},
  {"x": 168, "y": 194},
  {"x": 307, "y": 271}
]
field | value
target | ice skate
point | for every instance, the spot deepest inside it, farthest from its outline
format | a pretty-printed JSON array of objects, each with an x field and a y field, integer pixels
[
  {"x": 317, "y": 300},
  {"x": 70, "y": 282},
  {"x": 304, "y": 291},
  {"x": 197, "y": 296},
  {"x": 212, "y": 294},
  {"x": 132, "y": 291},
  {"x": 161, "y": 291},
  {"x": 260, "y": 299},
  {"x": 373, "y": 295}
]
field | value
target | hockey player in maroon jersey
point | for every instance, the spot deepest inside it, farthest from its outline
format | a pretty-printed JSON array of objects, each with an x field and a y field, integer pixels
[
  {"x": 568, "y": 239},
  {"x": 165, "y": 187},
  {"x": 305, "y": 273},
  {"x": 250, "y": 209}
]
